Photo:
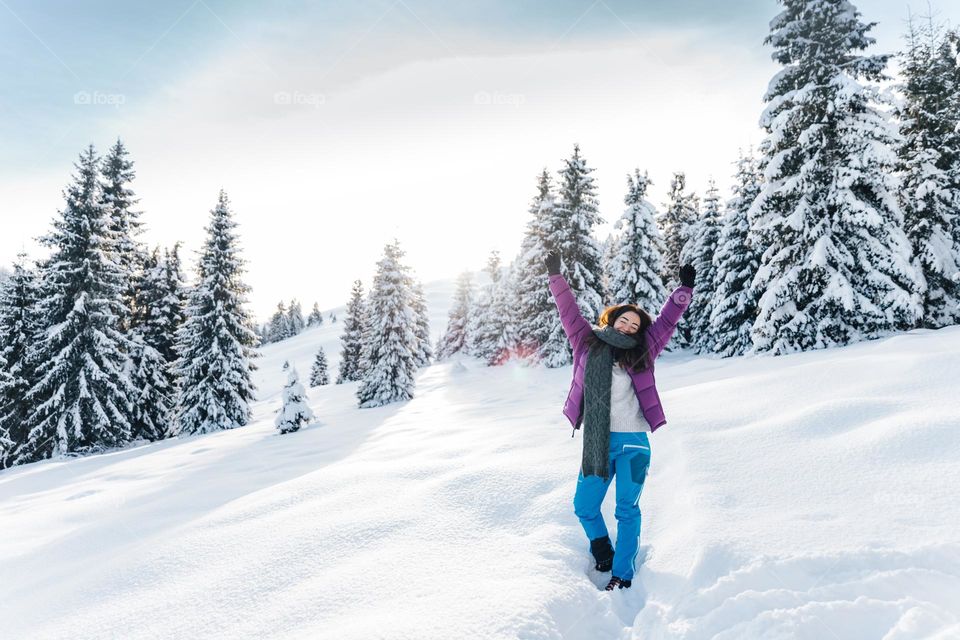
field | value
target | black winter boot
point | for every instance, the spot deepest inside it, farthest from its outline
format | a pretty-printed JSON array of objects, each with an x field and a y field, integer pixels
[
  {"x": 616, "y": 582},
  {"x": 602, "y": 552}
]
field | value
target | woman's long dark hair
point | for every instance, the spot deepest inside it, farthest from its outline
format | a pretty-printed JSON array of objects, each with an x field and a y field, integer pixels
[{"x": 637, "y": 358}]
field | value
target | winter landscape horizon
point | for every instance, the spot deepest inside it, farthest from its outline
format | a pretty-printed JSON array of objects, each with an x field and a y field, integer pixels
[{"x": 299, "y": 304}]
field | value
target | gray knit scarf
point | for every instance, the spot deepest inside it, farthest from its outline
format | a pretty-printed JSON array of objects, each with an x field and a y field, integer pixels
[{"x": 597, "y": 380}]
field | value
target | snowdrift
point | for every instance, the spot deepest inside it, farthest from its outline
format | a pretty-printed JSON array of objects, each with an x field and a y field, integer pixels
[{"x": 805, "y": 496}]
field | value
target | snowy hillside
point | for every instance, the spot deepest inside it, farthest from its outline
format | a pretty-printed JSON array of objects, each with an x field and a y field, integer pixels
[
  {"x": 805, "y": 496},
  {"x": 301, "y": 349}
]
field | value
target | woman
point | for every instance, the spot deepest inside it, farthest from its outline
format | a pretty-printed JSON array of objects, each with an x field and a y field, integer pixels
[{"x": 614, "y": 396}]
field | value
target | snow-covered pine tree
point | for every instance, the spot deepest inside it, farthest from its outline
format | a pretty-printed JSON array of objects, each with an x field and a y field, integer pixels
[
  {"x": 503, "y": 336},
  {"x": 149, "y": 371},
  {"x": 472, "y": 344},
  {"x": 171, "y": 311},
  {"x": 125, "y": 226},
  {"x": 7, "y": 445},
  {"x": 333, "y": 318},
  {"x": 576, "y": 214},
  {"x": 539, "y": 332},
  {"x": 953, "y": 44},
  {"x": 318, "y": 372},
  {"x": 153, "y": 402},
  {"x": 279, "y": 324},
  {"x": 480, "y": 323},
  {"x": 703, "y": 246},
  {"x": 491, "y": 334},
  {"x": 295, "y": 411},
  {"x": 836, "y": 266},
  {"x": 295, "y": 321},
  {"x": 608, "y": 249},
  {"x": 678, "y": 224},
  {"x": 351, "y": 355},
  {"x": 736, "y": 261},
  {"x": 19, "y": 332},
  {"x": 82, "y": 398},
  {"x": 929, "y": 117},
  {"x": 636, "y": 266},
  {"x": 453, "y": 340},
  {"x": 315, "y": 319},
  {"x": 366, "y": 333},
  {"x": 216, "y": 341},
  {"x": 423, "y": 353},
  {"x": 391, "y": 341}
]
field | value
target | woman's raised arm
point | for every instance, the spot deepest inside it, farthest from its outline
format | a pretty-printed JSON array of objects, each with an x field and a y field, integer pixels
[
  {"x": 662, "y": 329},
  {"x": 574, "y": 324}
]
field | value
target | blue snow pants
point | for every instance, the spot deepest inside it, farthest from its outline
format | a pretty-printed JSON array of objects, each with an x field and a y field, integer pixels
[{"x": 629, "y": 459}]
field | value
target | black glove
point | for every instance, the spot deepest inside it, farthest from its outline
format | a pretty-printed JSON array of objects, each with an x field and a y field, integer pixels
[
  {"x": 687, "y": 275},
  {"x": 553, "y": 263}
]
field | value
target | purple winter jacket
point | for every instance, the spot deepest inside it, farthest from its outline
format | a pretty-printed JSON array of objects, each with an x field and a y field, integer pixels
[{"x": 657, "y": 335}]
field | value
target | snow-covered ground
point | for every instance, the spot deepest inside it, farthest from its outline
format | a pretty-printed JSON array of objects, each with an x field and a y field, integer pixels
[{"x": 807, "y": 496}]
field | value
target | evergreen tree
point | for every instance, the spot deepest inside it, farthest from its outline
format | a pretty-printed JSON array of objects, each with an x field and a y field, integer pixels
[
  {"x": 217, "y": 338},
  {"x": 577, "y": 215},
  {"x": 836, "y": 265},
  {"x": 315, "y": 319},
  {"x": 351, "y": 356},
  {"x": 392, "y": 343},
  {"x": 82, "y": 398},
  {"x": 490, "y": 333},
  {"x": 678, "y": 223},
  {"x": 953, "y": 42},
  {"x": 503, "y": 335},
  {"x": 930, "y": 163},
  {"x": 421, "y": 329},
  {"x": 170, "y": 311},
  {"x": 7, "y": 445},
  {"x": 333, "y": 318},
  {"x": 703, "y": 248},
  {"x": 734, "y": 305},
  {"x": 154, "y": 395},
  {"x": 366, "y": 334},
  {"x": 636, "y": 266},
  {"x": 318, "y": 372},
  {"x": 19, "y": 332},
  {"x": 295, "y": 321},
  {"x": 454, "y": 339},
  {"x": 295, "y": 411},
  {"x": 279, "y": 325},
  {"x": 150, "y": 373},
  {"x": 480, "y": 321},
  {"x": 539, "y": 333},
  {"x": 125, "y": 226},
  {"x": 608, "y": 249}
]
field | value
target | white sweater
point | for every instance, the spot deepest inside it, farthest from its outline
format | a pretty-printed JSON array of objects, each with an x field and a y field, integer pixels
[{"x": 625, "y": 413}]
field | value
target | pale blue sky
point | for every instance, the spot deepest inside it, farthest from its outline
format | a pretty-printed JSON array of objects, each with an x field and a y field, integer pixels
[
  {"x": 335, "y": 126},
  {"x": 54, "y": 49}
]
